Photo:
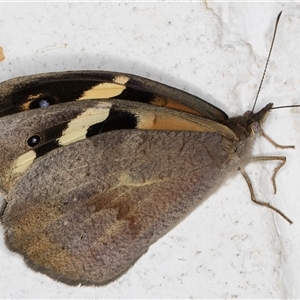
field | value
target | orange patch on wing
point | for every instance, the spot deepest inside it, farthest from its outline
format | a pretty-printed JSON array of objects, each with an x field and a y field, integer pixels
[
  {"x": 157, "y": 121},
  {"x": 169, "y": 103}
]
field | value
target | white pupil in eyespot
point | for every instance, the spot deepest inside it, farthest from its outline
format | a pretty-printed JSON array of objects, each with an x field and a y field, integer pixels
[
  {"x": 34, "y": 140},
  {"x": 44, "y": 103}
]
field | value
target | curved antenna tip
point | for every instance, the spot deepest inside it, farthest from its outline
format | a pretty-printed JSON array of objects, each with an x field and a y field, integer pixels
[{"x": 267, "y": 62}]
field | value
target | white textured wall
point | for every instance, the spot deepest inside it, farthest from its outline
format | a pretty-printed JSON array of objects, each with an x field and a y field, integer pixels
[{"x": 228, "y": 247}]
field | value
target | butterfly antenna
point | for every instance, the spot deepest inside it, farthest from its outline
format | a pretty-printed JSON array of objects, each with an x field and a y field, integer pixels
[{"x": 267, "y": 62}]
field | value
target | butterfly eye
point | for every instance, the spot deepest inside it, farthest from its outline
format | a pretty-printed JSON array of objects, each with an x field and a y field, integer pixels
[{"x": 34, "y": 140}]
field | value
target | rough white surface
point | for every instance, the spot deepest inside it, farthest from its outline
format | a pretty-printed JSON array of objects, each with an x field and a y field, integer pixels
[{"x": 229, "y": 247}]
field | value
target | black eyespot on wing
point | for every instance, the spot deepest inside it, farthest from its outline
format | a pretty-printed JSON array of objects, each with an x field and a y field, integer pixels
[
  {"x": 116, "y": 120},
  {"x": 47, "y": 140},
  {"x": 34, "y": 140}
]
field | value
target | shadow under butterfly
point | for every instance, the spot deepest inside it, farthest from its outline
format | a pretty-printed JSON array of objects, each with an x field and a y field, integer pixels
[{"x": 96, "y": 166}]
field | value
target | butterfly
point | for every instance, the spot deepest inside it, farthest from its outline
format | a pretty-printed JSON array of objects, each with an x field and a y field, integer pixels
[{"x": 96, "y": 166}]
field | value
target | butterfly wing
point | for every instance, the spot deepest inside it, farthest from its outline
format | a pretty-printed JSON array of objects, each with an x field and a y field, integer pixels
[
  {"x": 87, "y": 218},
  {"x": 35, "y": 91},
  {"x": 85, "y": 212},
  {"x": 28, "y": 135}
]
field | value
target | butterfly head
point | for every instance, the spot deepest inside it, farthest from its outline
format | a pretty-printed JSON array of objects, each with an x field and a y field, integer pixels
[{"x": 248, "y": 124}]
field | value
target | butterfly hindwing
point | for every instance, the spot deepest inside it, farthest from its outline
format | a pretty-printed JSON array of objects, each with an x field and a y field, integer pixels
[
  {"x": 87, "y": 218},
  {"x": 95, "y": 177}
]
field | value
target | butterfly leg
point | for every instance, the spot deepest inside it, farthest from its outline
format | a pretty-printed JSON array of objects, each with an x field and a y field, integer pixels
[
  {"x": 245, "y": 175},
  {"x": 282, "y": 160},
  {"x": 274, "y": 143}
]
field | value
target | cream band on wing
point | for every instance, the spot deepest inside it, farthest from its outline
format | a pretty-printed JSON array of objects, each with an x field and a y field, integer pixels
[
  {"x": 77, "y": 128},
  {"x": 106, "y": 89},
  {"x": 23, "y": 162}
]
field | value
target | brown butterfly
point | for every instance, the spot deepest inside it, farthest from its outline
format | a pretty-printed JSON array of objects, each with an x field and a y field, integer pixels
[{"x": 96, "y": 166}]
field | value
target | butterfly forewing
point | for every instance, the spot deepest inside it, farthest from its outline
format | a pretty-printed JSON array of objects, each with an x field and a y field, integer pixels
[{"x": 35, "y": 91}]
